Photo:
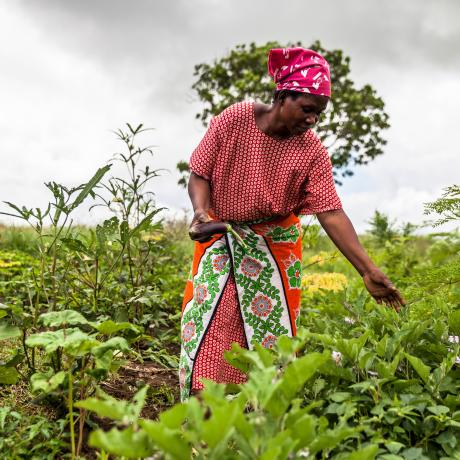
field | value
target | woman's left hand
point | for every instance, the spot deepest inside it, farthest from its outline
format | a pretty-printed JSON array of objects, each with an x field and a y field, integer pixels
[{"x": 382, "y": 289}]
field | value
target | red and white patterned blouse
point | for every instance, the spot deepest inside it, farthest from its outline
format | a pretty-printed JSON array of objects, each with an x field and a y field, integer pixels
[{"x": 254, "y": 176}]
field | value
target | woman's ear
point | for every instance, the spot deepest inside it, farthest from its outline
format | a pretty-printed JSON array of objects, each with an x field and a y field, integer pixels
[{"x": 282, "y": 97}]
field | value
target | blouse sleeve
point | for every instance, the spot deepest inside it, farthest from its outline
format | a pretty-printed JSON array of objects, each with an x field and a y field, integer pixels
[
  {"x": 204, "y": 156},
  {"x": 319, "y": 194}
]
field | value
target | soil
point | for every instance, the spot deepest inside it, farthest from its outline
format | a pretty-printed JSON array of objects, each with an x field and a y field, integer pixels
[
  {"x": 163, "y": 383},
  {"x": 163, "y": 393}
]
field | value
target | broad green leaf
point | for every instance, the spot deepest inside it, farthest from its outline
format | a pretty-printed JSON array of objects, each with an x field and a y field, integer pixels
[
  {"x": 127, "y": 443},
  {"x": 366, "y": 453},
  {"x": 102, "y": 362},
  {"x": 279, "y": 446},
  {"x": 76, "y": 245},
  {"x": 261, "y": 388},
  {"x": 244, "y": 359},
  {"x": 341, "y": 396},
  {"x": 168, "y": 440},
  {"x": 218, "y": 427},
  {"x": 394, "y": 447},
  {"x": 387, "y": 370},
  {"x": 382, "y": 346},
  {"x": 3, "y": 313},
  {"x": 106, "y": 406},
  {"x": 414, "y": 453},
  {"x": 293, "y": 379},
  {"x": 422, "y": 369},
  {"x": 8, "y": 375},
  {"x": 286, "y": 345},
  {"x": 115, "y": 343},
  {"x": 331, "y": 438},
  {"x": 144, "y": 223},
  {"x": 174, "y": 417},
  {"x": 47, "y": 381},
  {"x": 59, "y": 318},
  {"x": 304, "y": 430},
  {"x": 7, "y": 331},
  {"x": 109, "y": 327},
  {"x": 454, "y": 322},
  {"x": 448, "y": 438},
  {"x": 300, "y": 370},
  {"x": 438, "y": 410},
  {"x": 73, "y": 341},
  {"x": 139, "y": 401},
  {"x": 109, "y": 407},
  {"x": 16, "y": 359},
  {"x": 89, "y": 186}
]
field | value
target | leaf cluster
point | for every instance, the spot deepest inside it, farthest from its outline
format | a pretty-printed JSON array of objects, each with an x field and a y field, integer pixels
[{"x": 447, "y": 207}]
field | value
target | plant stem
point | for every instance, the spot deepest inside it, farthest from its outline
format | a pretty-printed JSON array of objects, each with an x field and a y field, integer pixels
[
  {"x": 72, "y": 430},
  {"x": 96, "y": 285},
  {"x": 24, "y": 346},
  {"x": 237, "y": 237}
]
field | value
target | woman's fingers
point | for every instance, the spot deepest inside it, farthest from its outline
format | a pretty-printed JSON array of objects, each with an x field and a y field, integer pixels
[
  {"x": 400, "y": 298},
  {"x": 391, "y": 301},
  {"x": 203, "y": 232}
]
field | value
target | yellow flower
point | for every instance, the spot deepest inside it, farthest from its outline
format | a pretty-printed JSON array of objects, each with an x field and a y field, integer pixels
[
  {"x": 151, "y": 237},
  {"x": 326, "y": 281},
  {"x": 4, "y": 264}
]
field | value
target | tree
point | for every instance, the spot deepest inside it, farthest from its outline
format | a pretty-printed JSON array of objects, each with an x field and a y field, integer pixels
[
  {"x": 382, "y": 229},
  {"x": 351, "y": 127},
  {"x": 447, "y": 207}
]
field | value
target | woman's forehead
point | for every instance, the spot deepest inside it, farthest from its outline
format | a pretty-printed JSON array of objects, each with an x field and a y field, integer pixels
[{"x": 313, "y": 99}]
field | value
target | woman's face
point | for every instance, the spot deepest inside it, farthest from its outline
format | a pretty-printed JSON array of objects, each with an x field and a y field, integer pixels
[{"x": 301, "y": 114}]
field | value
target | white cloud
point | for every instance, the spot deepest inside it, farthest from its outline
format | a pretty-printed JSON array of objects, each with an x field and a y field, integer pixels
[{"x": 72, "y": 71}]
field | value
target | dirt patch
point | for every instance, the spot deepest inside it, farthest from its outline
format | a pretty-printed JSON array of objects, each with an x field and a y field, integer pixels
[
  {"x": 163, "y": 383},
  {"x": 163, "y": 393}
]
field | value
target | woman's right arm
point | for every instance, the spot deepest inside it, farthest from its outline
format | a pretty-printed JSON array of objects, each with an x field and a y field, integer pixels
[{"x": 199, "y": 191}]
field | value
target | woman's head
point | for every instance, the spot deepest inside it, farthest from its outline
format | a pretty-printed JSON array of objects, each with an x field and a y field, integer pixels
[
  {"x": 300, "y": 70},
  {"x": 297, "y": 111},
  {"x": 303, "y": 87}
]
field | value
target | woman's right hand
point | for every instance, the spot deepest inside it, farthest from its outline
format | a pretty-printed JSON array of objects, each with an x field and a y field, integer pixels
[{"x": 203, "y": 227}]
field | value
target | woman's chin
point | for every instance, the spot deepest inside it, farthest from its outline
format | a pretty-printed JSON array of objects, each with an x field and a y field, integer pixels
[{"x": 299, "y": 131}]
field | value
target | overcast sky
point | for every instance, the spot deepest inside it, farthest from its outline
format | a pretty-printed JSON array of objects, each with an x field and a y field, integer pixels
[{"x": 72, "y": 71}]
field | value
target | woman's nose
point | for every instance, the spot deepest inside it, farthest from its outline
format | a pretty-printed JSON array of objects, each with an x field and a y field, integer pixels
[{"x": 311, "y": 119}]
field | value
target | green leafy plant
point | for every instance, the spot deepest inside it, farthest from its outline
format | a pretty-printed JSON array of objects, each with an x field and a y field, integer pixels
[
  {"x": 34, "y": 437},
  {"x": 77, "y": 359},
  {"x": 448, "y": 206}
]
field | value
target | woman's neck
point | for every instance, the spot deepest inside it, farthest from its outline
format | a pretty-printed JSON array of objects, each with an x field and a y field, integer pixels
[{"x": 268, "y": 120}]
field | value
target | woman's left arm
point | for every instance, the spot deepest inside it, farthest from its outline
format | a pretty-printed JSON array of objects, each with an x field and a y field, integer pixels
[{"x": 341, "y": 231}]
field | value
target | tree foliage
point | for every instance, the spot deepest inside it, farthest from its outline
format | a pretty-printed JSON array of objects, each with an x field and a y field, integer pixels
[
  {"x": 447, "y": 207},
  {"x": 382, "y": 228},
  {"x": 350, "y": 129}
]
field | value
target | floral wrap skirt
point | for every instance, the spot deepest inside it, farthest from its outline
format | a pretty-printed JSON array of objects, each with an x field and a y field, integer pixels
[{"x": 244, "y": 294}]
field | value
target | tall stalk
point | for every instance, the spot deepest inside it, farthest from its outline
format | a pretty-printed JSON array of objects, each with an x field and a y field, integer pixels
[{"x": 70, "y": 406}]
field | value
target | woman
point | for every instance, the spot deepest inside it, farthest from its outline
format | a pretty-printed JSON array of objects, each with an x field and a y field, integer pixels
[{"x": 259, "y": 167}]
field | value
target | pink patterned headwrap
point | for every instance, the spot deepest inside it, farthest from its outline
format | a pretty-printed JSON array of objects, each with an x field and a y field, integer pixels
[{"x": 299, "y": 69}]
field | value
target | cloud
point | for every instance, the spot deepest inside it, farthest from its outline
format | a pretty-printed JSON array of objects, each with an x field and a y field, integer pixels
[
  {"x": 72, "y": 71},
  {"x": 407, "y": 32}
]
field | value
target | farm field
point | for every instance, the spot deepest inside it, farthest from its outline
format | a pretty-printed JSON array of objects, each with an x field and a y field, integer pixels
[
  {"x": 366, "y": 383},
  {"x": 129, "y": 129},
  {"x": 89, "y": 331}
]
